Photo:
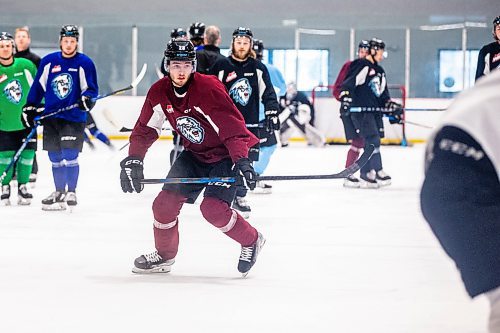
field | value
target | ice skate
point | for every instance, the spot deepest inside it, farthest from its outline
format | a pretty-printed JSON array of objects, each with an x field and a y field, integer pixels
[
  {"x": 152, "y": 263},
  {"x": 23, "y": 196},
  {"x": 249, "y": 254},
  {"x": 241, "y": 205},
  {"x": 368, "y": 180},
  {"x": 262, "y": 188},
  {"x": 352, "y": 182},
  {"x": 5, "y": 198},
  {"x": 55, "y": 201},
  {"x": 383, "y": 179},
  {"x": 71, "y": 200}
]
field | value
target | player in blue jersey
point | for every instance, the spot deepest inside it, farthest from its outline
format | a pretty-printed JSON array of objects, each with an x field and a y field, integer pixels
[
  {"x": 268, "y": 141},
  {"x": 64, "y": 79}
]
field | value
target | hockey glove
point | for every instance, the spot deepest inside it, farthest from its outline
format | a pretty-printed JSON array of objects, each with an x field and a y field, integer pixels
[
  {"x": 29, "y": 114},
  {"x": 86, "y": 103},
  {"x": 131, "y": 174},
  {"x": 244, "y": 166},
  {"x": 271, "y": 122},
  {"x": 345, "y": 103},
  {"x": 395, "y": 112}
]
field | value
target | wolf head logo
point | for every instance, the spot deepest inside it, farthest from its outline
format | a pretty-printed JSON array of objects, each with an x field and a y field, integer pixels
[
  {"x": 191, "y": 129},
  {"x": 241, "y": 91},
  {"x": 13, "y": 91},
  {"x": 62, "y": 85}
]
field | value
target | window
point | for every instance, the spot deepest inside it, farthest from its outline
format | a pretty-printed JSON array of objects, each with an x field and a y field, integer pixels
[
  {"x": 313, "y": 65},
  {"x": 451, "y": 70}
]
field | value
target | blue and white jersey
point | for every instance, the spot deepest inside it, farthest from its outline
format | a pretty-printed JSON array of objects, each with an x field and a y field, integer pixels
[
  {"x": 62, "y": 82},
  {"x": 279, "y": 85}
]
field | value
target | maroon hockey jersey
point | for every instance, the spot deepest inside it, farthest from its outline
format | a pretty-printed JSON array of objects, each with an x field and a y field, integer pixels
[{"x": 210, "y": 124}]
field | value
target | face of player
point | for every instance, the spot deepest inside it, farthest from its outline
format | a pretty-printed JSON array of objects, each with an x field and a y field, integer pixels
[
  {"x": 23, "y": 40},
  {"x": 68, "y": 46},
  {"x": 378, "y": 55},
  {"x": 6, "y": 51},
  {"x": 497, "y": 32},
  {"x": 180, "y": 71},
  {"x": 241, "y": 48},
  {"x": 362, "y": 52}
]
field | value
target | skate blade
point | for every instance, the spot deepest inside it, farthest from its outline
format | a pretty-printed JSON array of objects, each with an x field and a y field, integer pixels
[
  {"x": 160, "y": 269},
  {"x": 367, "y": 185},
  {"x": 384, "y": 182},
  {"x": 54, "y": 207},
  {"x": 6, "y": 202},
  {"x": 23, "y": 202},
  {"x": 351, "y": 185},
  {"x": 261, "y": 191}
]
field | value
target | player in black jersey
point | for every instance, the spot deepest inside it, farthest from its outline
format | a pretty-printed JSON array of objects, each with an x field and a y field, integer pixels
[{"x": 489, "y": 56}]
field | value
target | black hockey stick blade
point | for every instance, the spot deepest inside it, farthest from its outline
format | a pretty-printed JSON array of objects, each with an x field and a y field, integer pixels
[
  {"x": 125, "y": 129},
  {"x": 132, "y": 85},
  {"x": 353, "y": 168}
]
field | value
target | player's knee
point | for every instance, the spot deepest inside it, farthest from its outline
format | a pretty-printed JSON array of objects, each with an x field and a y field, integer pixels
[
  {"x": 216, "y": 211},
  {"x": 166, "y": 206}
]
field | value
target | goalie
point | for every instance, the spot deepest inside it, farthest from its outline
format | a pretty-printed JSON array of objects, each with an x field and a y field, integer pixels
[{"x": 297, "y": 116}]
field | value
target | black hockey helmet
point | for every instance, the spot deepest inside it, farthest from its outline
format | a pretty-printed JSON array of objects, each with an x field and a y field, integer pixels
[
  {"x": 69, "y": 30},
  {"x": 8, "y": 37},
  {"x": 496, "y": 22},
  {"x": 243, "y": 32},
  {"x": 377, "y": 44},
  {"x": 180, "y": 50},
  {"x": 258, "y": 47},
  {"x": 178, "y": 33},
  {"x": 197, "y": 30},
  {"x": 364, "y": 44}
]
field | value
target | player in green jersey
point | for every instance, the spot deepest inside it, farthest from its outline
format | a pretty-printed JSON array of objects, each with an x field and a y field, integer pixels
[{"x": 16, "y": 77}]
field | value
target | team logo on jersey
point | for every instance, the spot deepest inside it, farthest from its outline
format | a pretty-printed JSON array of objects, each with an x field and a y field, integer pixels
[
  {"x": 170, "y": 109},
  {"x": 190, "y": 128},
  {"x": 3, "y": 77},
  {"x": 240, "y": 91},
  {"x": 13, "y": 91},
  {"x": 496, "y": 57},
  {"x": 231, "y": 76},
  {"x": 62, "y": 85},
  {"x": 377, "y": 85},
  {"x": 56, "y": 68}
]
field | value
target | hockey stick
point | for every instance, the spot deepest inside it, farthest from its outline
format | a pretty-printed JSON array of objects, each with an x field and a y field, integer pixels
[
  {"x": 385, "y": 110},
  {"x": 417, "y": 124},
  {"x": 132, "y": 85},
  {"x": 340, "y": 175}
]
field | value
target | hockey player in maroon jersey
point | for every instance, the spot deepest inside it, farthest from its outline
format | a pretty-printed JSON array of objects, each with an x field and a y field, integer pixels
[{"x": 216, "y": 143}]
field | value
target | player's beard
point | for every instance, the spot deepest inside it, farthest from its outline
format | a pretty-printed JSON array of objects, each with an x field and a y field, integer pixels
[{"x": 240, "y": 55}]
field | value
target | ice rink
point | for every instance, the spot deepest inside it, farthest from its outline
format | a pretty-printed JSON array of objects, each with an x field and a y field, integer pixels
[{"x": 336, "y": 260}]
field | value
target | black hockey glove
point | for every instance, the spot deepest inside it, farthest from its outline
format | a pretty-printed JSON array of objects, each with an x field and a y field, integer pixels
[
  {"x": 131, "y": 174},
  {"x": 244, "y": 166},
  {"x": 345, "y": 103},
  {"x": 29, "y": 114},
  {"x": 395, "y": 113},
  {"x": 86, "y": 103},
  {"x": 271, "y": 122}
]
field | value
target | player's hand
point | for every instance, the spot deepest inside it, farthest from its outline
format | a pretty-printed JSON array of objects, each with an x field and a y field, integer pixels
[
  {"x": 345, "y": 103},
  {"x": 86, "y": 103},
  {"x": 244, "y": 166},
  {"x": 395, "y": 113},
  {"x": 271, "y": 122},
  {"x": 131, "y": 175},
  {"x": 28, "y": 116}
]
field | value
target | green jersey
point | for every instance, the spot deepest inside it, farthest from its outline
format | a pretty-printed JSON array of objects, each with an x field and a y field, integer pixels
[{"x": 15, "y": 83}]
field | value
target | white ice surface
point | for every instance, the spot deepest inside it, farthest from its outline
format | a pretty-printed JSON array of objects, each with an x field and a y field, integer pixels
[{"x": 336, "y": 260}]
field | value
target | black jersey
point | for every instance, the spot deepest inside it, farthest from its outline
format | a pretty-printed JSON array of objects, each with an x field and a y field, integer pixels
[
  {"x": 248, "y": 83},
  {"x": 206, "y": 58},
  {"x": 367, "y": 84},
  {"x": 488, "y": 59},
  {"x": 27, "y": 54}
]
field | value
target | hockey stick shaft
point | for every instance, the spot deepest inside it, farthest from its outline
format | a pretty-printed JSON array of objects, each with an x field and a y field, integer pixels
[
  {"x": 343, "y": 174},
  {"x": 385, "y": 110},
  {"x": 18, "y": 153},
  {"x": 132, "y": 85},
  {"x": 417, "y": 124}
]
